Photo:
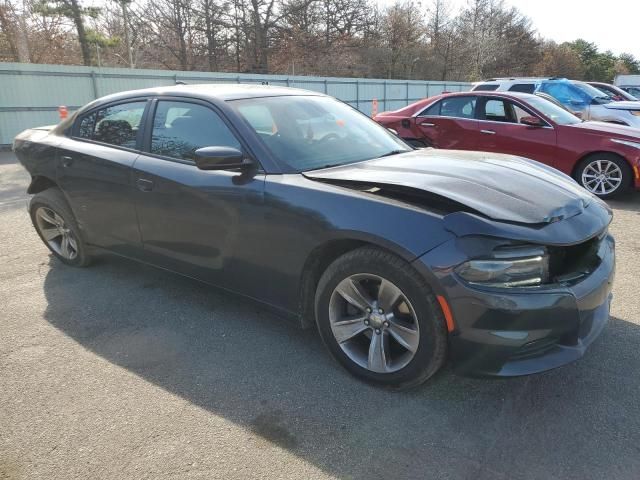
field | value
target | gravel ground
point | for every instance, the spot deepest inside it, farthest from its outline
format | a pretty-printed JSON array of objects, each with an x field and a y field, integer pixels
[{"x": 124, "y": 371}]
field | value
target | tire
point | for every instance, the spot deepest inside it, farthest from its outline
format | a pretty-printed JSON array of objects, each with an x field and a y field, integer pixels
[
  {"x": 618, "y": 173},
  {"x": 54, "y": 222},
  {"x": 416, "y": 310}
]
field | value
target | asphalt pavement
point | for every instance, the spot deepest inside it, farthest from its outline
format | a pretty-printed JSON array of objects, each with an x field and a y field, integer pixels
[{"x": 124, "y": 371}]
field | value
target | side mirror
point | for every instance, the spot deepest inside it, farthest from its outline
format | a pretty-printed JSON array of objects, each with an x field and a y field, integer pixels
[
  {"x": 532, "y": 121},
  {"x": 221, "y": 158}
]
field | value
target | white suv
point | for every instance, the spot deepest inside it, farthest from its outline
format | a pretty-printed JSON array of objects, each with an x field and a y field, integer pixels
[{"x": 585, "y": 101}]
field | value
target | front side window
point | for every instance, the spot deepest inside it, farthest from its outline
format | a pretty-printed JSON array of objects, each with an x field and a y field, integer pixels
[
  {"x": 181, "y": 128},
  {"x": 499, "y": 110},
  {"x": 495, "y": 110},
  {"x": 566, "y": 94},
  {"x": 115, "y": 125},
  {"x": 311, "y": 132}
]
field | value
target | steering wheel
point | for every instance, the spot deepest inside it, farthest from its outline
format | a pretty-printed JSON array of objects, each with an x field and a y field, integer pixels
[{"x": 329, "y": 137}]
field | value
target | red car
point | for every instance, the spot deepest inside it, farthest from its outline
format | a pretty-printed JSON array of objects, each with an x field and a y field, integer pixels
[{"x": 603, "y": 157}]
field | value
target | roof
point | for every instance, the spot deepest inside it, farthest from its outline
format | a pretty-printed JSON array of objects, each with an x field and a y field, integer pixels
[
  {"x": 489, "y": 93},
  {"x": 414, "y": 107},
  {"x": 221, "y": 91},
  {"x": 520, "y": 79}
]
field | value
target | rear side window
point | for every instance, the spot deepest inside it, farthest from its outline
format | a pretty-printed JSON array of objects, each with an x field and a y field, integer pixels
[
  {"x": 523, "y": 87},
  {"x": 486, "y": 87},
  {"x": 114, "y": 125},
  {"x": 181, "y": 128},
  {"x": 459, "y": 107}
]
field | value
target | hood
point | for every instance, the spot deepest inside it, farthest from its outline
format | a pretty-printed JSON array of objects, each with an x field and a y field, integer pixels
[
  {"x": 500, "y": 187},
  {"x": 626, "y": 105},
  {"x": 614, "y": 129}
]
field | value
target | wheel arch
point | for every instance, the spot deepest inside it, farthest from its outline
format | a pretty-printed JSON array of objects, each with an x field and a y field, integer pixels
[
  {"x": 40, "y": 183},
  {"x": 574, "y": 171},
  {"x": 318, "y": 261}
]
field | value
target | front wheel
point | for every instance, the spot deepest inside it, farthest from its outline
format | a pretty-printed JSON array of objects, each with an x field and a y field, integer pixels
[
  {"x": 379, "y": 319},
  {"x": 605, "y": 175}
]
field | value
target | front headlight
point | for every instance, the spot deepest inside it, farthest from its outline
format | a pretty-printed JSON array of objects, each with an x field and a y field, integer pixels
[
  {"x": 521, "y": 266},
  {"x": 628, "y": 143},
  {"x": 635, "y": 112}
]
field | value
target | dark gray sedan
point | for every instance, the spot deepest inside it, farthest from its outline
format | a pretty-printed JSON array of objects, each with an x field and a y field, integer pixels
[{"x": 402, "y": 258}]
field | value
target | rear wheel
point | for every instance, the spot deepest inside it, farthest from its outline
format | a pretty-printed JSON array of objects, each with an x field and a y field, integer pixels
[
  {"x": 379, "y": 319},
  {"x": 604, "y": 174},
  {"x": 57, "y": 227}
]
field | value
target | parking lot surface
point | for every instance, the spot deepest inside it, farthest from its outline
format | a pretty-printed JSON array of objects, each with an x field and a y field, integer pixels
[{"x": 124, "y": 371}]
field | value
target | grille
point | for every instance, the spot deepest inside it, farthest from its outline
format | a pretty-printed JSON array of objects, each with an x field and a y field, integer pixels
[{"x": 570, "y": 264}]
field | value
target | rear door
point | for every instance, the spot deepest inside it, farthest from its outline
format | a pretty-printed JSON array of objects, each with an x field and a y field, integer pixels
[
  {"x": 502, "y": 132},
  {"x": 450, "y": 123},
  {"x": 94, "y": 171}
]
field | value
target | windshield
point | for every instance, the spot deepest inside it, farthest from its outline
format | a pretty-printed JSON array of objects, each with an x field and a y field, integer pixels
[
  {"x": 634, "y": 92},
  {"x": 311, "y": 132},
  {"x": 593, "y": 92},
  {"x": 552, "y": 111}
]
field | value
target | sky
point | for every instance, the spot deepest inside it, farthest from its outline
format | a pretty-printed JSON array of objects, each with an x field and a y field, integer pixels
[{"x": 612, "y": 25}]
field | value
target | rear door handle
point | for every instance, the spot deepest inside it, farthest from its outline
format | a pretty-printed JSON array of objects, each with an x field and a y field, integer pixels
[
  {"x": 66, "y": 160},
  {"x": 488, "y": 132},
  {"x": 144, "y": 185}
]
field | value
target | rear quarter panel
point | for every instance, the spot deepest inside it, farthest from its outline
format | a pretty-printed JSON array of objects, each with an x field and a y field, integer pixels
[{"x": 36, "y": 150}]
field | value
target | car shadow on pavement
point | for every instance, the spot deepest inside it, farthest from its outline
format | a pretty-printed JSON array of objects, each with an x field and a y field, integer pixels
[
  {"x": 629, "y": 202},
  {"x": 238, "y": 362}
]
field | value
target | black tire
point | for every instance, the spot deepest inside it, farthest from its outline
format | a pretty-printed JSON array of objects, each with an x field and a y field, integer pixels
[
  {"x": 431, "y": 352},
  {"x": 625, "y": 169},
  {"x": 54, "y": 200}
]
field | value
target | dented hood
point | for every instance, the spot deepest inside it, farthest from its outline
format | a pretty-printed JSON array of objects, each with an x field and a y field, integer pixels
[{"x": 501, "y": 187}]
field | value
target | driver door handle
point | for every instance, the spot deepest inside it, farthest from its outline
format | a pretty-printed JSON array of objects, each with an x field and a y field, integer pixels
[
  {"x": 144, "y": 185},
  {"x": 427, "y": 124},
  {"x": 488, "y": 132}
]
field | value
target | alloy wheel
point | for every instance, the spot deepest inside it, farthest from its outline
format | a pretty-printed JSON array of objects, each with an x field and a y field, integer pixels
[
  {"x": 56, "y": 233},
  {"x": 602, "y": 177},
  {"x": 374, "y": 323}
]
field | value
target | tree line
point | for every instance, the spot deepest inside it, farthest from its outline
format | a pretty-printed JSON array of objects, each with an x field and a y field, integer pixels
[{"x": 351, "y": 38}]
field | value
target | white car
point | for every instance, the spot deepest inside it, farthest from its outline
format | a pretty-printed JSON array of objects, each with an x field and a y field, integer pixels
[{"x": 585, "y": 101}]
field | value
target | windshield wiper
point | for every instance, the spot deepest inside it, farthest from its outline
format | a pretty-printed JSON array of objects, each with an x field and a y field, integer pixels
[
  {"x": 328, "y": 165},
  {"x": 393, "y": 152}
]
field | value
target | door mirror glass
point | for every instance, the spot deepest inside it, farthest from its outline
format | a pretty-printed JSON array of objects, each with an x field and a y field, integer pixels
[
  {"x": 532, "y": 121},
  {"x": 220, "y": 158}
]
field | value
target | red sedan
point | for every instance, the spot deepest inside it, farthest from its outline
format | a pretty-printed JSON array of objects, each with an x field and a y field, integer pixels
[{"x": 603, "y": 157}]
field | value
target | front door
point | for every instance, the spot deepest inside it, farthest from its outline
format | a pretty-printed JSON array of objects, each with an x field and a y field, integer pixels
[
  {"x": 196, "y": 222},
  {"x": 502, "y": 132}
]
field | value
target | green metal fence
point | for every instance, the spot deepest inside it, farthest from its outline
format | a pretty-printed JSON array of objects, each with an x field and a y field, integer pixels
[{"x": 30, "y": 94}]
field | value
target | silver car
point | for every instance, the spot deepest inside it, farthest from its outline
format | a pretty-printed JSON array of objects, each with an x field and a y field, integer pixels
[{"x": 583, "y": 100}]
